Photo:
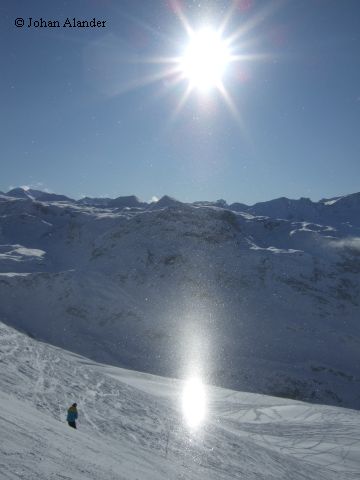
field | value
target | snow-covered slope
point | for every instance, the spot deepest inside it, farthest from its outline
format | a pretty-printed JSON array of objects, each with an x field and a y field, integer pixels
[
  {"x": 131, "y": 426},
  {"x": 263, "y": 304}
]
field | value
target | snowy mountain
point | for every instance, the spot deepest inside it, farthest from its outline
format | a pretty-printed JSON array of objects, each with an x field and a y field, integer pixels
[
  {"x": 333, "y": 211},
  {"x": 28, "y": 193},
  {"x": 132, "y": 425},
  {"x": 262, "y": 299},
  {"x": 130, "y": 201}
]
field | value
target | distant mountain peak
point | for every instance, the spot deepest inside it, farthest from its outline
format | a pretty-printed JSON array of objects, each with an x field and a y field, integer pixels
[
  {"x": 31, "y": 194},
  {"x": 167, "y": 201}
]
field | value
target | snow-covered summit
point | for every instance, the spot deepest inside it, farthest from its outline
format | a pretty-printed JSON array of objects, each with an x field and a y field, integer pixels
[
  {"x": 333, "y": 211},
  {"x": 130, "y": 201},
  {"x": 164, "y": 202},
  {"x": 31, "y": 194}
]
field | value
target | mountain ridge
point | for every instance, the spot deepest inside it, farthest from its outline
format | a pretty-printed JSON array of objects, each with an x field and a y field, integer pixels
[
  {"x": 158, "y": 289},
  {"x": 352, "y": 199}
]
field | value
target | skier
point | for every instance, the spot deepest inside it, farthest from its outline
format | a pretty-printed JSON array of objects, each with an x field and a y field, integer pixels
[{"x": 72, "y": 415}]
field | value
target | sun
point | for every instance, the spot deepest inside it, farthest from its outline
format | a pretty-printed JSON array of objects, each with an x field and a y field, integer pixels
[{"x": 205, "y": 60}]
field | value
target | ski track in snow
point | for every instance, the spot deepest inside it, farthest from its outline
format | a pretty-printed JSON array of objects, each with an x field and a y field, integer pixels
[{"x": 126, "y": 420}]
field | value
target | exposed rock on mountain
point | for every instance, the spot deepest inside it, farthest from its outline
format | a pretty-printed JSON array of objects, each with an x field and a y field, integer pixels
[{"x": 264, "y": 299}]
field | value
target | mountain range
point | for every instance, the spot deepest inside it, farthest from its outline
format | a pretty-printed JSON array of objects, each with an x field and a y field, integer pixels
[{"x": 261, "y": 298}]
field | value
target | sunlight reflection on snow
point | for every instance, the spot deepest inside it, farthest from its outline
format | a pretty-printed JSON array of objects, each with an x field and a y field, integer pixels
[{"x": 194, "y": 402}]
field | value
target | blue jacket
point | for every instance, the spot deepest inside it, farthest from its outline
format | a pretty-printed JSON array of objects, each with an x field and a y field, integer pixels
[{"x": 72, "y": 414}]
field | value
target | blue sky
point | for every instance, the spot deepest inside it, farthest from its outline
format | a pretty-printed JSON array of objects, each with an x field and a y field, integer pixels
[{"x": 76, "y": 120}]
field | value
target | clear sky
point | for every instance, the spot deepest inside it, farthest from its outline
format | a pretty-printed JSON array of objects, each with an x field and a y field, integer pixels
[{"x": 78, "y": 118}]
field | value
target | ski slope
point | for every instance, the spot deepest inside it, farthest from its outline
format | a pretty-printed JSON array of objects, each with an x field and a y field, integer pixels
[{"x": 131, "y": 426}]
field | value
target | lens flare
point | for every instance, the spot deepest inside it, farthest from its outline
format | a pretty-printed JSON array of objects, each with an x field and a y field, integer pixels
[
  {"x": 204, "y": 61},
  {"x": 194, "y": 402}
]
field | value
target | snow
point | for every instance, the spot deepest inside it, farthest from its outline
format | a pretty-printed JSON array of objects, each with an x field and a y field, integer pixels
[
  {"x": 13, "y": 274},
  {"x": 15, "y": 252},
  {"x": 350, "y": 242},
  {"x": 131, "y": 426},
  {"x": 265, "y": 304},
  {"x": 330, "y": 202}
]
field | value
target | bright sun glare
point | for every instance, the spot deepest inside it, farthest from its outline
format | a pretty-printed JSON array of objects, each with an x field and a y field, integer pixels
[
  {"x": 205, "y": 59},
  {"x": 194, "y": 402},
  {"x": 210, "y": 60}
]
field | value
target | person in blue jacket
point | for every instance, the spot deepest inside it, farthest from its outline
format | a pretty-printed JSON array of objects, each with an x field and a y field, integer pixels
[{"x": 72, "y": 415}]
